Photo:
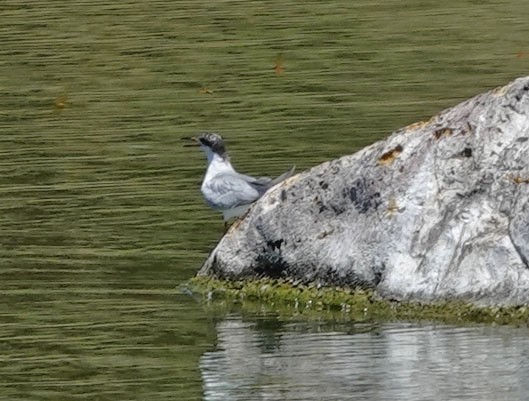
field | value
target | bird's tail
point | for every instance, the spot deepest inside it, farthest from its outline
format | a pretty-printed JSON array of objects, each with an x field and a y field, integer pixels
[{"x": 282, "y": 177}]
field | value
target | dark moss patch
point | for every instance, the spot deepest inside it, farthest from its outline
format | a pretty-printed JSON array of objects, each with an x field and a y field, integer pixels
[
  {"x": 467, "y": 152},
  {"x": 363, "y": 196},
  {"x": 270, "y": 262},
  {"x": 362, "y": 304}
]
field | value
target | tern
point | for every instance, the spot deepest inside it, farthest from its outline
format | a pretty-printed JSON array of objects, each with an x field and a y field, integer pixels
[{"x": 225, "y": 189}]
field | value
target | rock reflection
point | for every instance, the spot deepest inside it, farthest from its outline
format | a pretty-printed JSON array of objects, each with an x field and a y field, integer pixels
[{"x": 396, "y": 361}]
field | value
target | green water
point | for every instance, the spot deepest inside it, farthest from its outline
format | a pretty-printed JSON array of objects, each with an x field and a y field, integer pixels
[{"x": 100, "y": 211}]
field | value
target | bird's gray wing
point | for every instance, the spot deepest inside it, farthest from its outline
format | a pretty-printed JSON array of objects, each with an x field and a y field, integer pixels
[
  {"x": 263, "y": 184},
  {"x": 260, "y": 184},
  {"x": 232, "y": 189},
  {"x": 229, "y": 190}
]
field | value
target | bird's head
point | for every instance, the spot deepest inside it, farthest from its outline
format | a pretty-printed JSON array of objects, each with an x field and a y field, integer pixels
[
  {"x": 212, "y": 141},
  {"x": 211, "y": 144}
]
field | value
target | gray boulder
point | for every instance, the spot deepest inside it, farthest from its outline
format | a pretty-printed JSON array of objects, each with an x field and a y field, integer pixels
[{"x": 437, "y": 211}]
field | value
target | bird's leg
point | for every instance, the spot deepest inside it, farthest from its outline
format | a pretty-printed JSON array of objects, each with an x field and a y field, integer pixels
[{"x": 234, "y": 223}]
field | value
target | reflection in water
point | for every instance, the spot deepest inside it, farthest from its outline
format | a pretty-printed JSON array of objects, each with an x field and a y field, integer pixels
[{"x": 395, "y": 361}]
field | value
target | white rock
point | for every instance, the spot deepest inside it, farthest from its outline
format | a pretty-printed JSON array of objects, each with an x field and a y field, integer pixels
[{"x": 437, "y": 211}]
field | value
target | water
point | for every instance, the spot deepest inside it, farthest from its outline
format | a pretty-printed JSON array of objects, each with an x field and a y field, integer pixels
[
  {"x": 100, "y": 214},
  {"x": 256, "y": 360}
]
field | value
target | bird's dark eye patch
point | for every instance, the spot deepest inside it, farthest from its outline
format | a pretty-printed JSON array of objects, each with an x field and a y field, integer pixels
[{"x": 214, "y": 142}]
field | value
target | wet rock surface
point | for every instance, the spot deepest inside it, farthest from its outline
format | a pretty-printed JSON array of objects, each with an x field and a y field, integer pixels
[{"x": 437, "y": 211}]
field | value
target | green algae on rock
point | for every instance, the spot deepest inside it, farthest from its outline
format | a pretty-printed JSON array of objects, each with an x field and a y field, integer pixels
[{"x": 358, "y": 305}]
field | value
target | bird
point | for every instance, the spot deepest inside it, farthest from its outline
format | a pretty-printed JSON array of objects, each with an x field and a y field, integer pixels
[{"x": 223, "y": 188}]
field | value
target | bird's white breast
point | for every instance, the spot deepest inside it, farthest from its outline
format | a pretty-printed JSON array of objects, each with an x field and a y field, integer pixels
[{"x": 211, "y": 189}]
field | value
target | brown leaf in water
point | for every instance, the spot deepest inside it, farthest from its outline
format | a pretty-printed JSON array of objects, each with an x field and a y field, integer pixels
[
  {"x": 278, "y": 66},
  {"x": 61, "y": 102}
]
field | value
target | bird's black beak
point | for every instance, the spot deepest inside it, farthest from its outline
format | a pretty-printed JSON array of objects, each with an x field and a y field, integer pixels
[{"x": 191, "y": 142}]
